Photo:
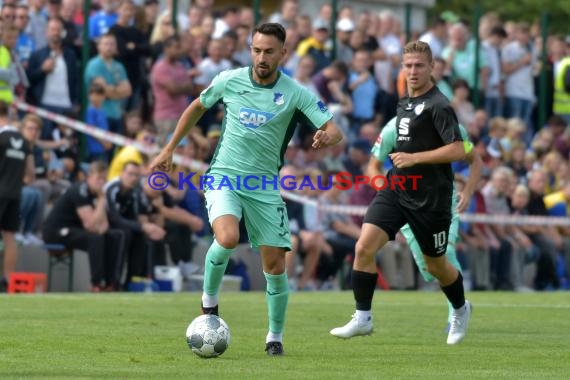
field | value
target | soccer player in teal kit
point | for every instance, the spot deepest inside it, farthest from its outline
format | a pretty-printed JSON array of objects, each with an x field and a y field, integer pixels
[{"x": 262, "y": 107}]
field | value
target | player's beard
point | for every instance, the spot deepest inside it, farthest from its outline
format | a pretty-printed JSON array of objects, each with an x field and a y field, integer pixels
[{"x": 265, "y": 72}]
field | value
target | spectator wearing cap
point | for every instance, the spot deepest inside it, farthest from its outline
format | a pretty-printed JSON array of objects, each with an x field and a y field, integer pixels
[
  {"x": 344, "y": 29},
  {"x": 561, "y": 104},
  {"x": 315, "y": 45}
]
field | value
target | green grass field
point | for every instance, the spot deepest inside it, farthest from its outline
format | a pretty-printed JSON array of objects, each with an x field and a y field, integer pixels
[{"x": 118, "y": 336}]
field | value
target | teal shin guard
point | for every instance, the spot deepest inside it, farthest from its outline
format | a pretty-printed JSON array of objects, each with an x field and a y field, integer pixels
[
  {"x": 217, "y": 260},
  {"x": 277, "y": 296}
]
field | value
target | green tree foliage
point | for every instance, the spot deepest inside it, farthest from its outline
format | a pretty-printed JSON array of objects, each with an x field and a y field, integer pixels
[{"x": 515, "y": 10}]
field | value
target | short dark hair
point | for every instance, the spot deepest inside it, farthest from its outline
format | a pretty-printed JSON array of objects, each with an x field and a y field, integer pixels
[
  {"x": 271, "y": 29},
  {"x": 169, "y": 41},
  {"x": 96, "y": 88}
]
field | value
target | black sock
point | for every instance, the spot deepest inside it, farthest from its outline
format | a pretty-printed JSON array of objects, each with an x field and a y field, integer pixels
[
  {"x": 363, "y": 285},
  {"x": 455, "y": 292}
]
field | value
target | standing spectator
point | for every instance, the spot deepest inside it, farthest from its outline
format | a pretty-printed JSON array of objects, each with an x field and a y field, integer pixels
[
  {"x": 518, "y": 58},
  {"x": 561, "y": 104},
  {"x": 495, "y": 87},
  {"x": 15, "y": 163},
  {"x": 19, "y": 81},
  {"x": 102, "y": 21},
  {"x": 97, "y": 150},
  {"x": 287, "y": 15},
  {"x": 344, "y": 29},
  {"x": 37, "y": 24},
  {"x": 460, "y": 58},
  {"x": 171, "y": 86},
  {"x": 436, "y": 37},
  {"x": 133, "y": 48},
  {"x": 363, "y": 89},
  {"x": 109, "y": 73},
  {"x": 53, "y": 75},
  {"x": 25, "y": 45}
]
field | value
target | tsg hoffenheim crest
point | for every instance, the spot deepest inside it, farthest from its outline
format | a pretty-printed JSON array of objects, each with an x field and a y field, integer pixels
[{"x": 278, "y": 98}]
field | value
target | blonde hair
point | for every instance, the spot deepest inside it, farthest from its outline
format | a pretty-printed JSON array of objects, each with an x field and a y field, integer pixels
[
  {"x": 32, "y": 118},
  {"x": 418, "y": 47}
]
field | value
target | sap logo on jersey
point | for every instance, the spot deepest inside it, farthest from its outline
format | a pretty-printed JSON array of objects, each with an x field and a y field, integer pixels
[{"x": 253, "y": 118}]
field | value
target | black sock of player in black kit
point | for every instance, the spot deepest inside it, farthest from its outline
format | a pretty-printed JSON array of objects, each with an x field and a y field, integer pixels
[
  {"x": 455, "y": 292},
  {"x": 363, "y": 285}
]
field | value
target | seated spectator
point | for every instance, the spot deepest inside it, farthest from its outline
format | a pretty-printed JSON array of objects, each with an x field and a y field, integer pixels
[
  {"x": 495, "y": 195},
  {"x": 127, "y": 213},
  {"x": 178, "y": 223},
  {"x": 78, "y": 220},
  {"x": 130, "y": 153},
  {"x": 307, "y": 241}
]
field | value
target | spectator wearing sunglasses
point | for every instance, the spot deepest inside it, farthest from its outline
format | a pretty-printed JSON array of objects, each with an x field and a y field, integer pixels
[{"x": 129, "y": 153}]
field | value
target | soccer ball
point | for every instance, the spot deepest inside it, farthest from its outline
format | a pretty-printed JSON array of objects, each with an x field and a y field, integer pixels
[{"x": 208, "y": 336}]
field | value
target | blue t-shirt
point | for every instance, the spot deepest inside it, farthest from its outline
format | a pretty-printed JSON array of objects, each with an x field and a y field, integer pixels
[
  {"x": 100, "y": 23},
  {"x": 96, "y": 118}
]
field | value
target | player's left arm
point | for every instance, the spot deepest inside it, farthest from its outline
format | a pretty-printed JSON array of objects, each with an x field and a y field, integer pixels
[
  {"x": 327, "y": 135},
  {"x": 475, "y": 167}
]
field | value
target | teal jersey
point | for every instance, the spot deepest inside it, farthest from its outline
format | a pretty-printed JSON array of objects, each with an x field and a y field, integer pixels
[
  {"x": 386, "y": 141},
  {"x": 259, "y": 121}
]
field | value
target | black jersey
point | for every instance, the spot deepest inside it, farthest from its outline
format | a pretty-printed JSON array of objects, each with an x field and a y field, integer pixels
[
  {"x": 424, "y": 123},
  {"x": 13, "y": 153},
  {"x": 64, "y": 212}
]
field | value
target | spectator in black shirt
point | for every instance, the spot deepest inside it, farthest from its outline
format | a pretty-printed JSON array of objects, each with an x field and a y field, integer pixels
[
  {"x": 78, "y": 220},
  {"x": 178, "y": 223},
  {"x": 15, "y": 162},
  {"x": 126, "y": 212}
]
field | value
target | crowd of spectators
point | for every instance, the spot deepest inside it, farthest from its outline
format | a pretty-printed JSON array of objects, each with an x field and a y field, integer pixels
[{"x": 143, "y": 72}]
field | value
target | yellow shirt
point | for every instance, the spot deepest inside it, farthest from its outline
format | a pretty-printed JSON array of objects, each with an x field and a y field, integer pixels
[{"x": 126, "y": 154}]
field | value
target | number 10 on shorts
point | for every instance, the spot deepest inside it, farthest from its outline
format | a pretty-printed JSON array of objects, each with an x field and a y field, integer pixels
[{"x": 440, "y": 240}]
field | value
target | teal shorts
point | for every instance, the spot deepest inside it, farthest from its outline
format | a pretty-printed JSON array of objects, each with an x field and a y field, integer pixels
[{"x": 264, "y": 211}]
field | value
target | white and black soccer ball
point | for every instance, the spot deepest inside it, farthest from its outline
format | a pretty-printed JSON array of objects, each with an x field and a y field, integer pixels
[{"x": 208, "y": 336}]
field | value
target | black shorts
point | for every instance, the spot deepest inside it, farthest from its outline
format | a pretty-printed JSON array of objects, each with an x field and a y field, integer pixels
[
  {"x": 9, "y": 214},
  {"x": 431, "y": 228}
]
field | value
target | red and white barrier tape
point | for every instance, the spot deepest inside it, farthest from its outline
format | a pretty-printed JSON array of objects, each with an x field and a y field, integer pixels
[
  {"x": 513, "y": 220},
  {"x": 114, "y": 138},
  {"x": 121, "y": 140}
]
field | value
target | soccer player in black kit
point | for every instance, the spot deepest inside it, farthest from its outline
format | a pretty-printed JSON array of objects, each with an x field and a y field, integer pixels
[{"x": 428, "y": 141}]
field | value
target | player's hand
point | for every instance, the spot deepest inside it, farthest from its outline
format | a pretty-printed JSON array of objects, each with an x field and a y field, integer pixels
[
  {"x": 463, "y": 201},
  {"x": 162, "y": 162},
  {"x": 321, "y": 139},
  {"x": 403, "y": 160}
]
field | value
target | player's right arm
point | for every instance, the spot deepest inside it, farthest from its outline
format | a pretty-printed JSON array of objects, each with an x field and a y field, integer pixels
[{"x": 188, "y": 120}]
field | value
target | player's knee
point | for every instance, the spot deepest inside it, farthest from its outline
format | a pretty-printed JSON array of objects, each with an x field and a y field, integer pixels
[
  {"x": 228, "y": 240},
  {"x": 364, "y": 251}
]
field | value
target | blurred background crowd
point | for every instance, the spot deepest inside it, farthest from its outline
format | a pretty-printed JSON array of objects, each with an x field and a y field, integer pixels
[{"x": 145, "y": 66}]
